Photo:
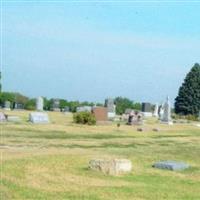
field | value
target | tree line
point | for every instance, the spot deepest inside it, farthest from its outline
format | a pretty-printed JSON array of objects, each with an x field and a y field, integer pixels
[
  {"x": 186, "y": 103},
  {"x": 122, "y": 103}
]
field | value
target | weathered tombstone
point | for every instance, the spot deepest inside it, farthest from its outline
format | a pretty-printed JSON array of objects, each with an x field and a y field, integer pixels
[
  {"x": 110, "y": 105},
  {"x": 146, "y": 109},
  {"x": 18, "y": 106},
  {"x": 2, "y": 117},
  {"x": 39, "y": 118},
  {"x": 166, "y": 118},
  {"x": 66, "y": 109},
  {"x": 7, "y": 105},
  {"x": 135, "y": 118},
  {"x": 84, "y": 109},
  {"x": 161, "y": 111},
  {"x": 100, "y": 113},
  {"x": 111, "y": 167},
  {"x": 56, "y": 105},
  {"x": 39, "y": 104},
  {"x": 171, "y": 165},
  {"x": 155, "y": 113}
]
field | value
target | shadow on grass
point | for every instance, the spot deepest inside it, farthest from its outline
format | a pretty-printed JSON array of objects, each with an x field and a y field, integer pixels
[
  {"x": 104, "y": 145},
  {"x": 64, "y": 135}
]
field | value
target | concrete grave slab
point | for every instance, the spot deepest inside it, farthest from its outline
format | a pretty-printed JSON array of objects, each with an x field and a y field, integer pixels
[
  {"x": 39, "y": 118},
  {"x": 171, "y": 165}
]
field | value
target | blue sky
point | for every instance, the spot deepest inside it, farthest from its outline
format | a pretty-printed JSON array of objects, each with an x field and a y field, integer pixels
[{"x": 90, "y": 51}]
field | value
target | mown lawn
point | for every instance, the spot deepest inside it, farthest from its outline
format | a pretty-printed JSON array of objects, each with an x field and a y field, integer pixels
[{"x": 51, "y": 161}]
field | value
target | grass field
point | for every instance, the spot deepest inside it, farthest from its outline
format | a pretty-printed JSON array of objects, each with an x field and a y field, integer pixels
[{"x": 51, "y": 161}]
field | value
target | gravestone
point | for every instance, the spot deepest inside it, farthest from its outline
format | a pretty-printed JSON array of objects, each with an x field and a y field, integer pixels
[
  {"x": 100, "y": 113},
  {"x": 112, "y": 167},
  {"x": 166, "y": 117},
  {"x": 155, "y": 112},
  {"x": 171, "y": 165},
  {"x": 39, "y": 118},
  {"x": 18, "y": 106},
  {"x": 135, "y": 118},
  {"x": 84, "y": 109},
  {"x": 146, "y": 109},
  {"x": 2, "y": 117},
  {"x": 66, "y": 109},
  {"x": 56, "y": 105},
  {"x": 7, "y": 105},
  {"x": 39, "y": 104},
  {"x": 110, "y": 105},
  {"x": 161, "y": 111}
]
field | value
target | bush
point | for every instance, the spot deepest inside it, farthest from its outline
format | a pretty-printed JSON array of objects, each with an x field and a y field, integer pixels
[
  {"x": 84, "y": 118},
  {"x": 185, "y": 117}
]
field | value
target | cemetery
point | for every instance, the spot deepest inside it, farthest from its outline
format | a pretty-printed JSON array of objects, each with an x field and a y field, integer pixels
[
  {"x": 99, "y": 100},
  {"x": 46, "y": 155},
  {"x": 55, "y": 149}
]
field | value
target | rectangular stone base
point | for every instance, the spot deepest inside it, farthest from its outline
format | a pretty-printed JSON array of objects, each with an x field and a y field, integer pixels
[{"x": 168, "y": 123}]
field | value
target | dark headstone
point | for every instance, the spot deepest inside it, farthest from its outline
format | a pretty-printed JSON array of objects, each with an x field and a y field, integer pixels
[
  {"x": 146, "y": 107},
  {"x": 18, "y": 106}
]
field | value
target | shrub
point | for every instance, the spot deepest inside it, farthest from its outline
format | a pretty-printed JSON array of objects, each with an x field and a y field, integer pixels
[{"x": 84, "y": 118}]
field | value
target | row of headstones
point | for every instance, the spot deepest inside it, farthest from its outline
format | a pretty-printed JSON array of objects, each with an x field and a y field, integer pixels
[
  {"x": 163, "y": 113},
  {"x": 102, "y": 113},
  {"x": 40, "y": 104},
  {"x": 109, "y": 104},
  {"x": 34, "y": 117}
]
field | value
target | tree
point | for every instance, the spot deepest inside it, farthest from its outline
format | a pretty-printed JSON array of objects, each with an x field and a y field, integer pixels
[
  {"x": 123, "y": 103},
  {"x": 188, "y": 99},
  {"x": 0, "y": 83},
  {"x": 30, "y": 104},
  {"x": 73, "y": 105},
  {"x": 7, "y": 96},
  {"x": 63, "y": 103},
  {"x": 19, "y": 98}
]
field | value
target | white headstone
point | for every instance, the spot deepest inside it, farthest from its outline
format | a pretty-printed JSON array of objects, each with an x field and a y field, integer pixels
[
  {"x": 166, "y": 117},
  {"x": 39, "y": 118},
  {"x": 7, "y": 105},
  {"x": 161, "y": 111},
  {"x": 111, "y": 107},
  {"x": 84, "y": 109},
  {"x": 155, "y": 113},
  {"x": 39, "y": 104},
  {"x": 2, "y": 117}
]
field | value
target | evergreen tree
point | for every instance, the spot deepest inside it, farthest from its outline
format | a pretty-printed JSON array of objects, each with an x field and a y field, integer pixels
[
  {"x": 188, "y": 99},
  {"x": 0, "y": 83}
]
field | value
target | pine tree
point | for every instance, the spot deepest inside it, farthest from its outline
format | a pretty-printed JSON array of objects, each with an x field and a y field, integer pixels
[
  {"x": 0, "y": 82},
  {"x": 188, "y": 99}
]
